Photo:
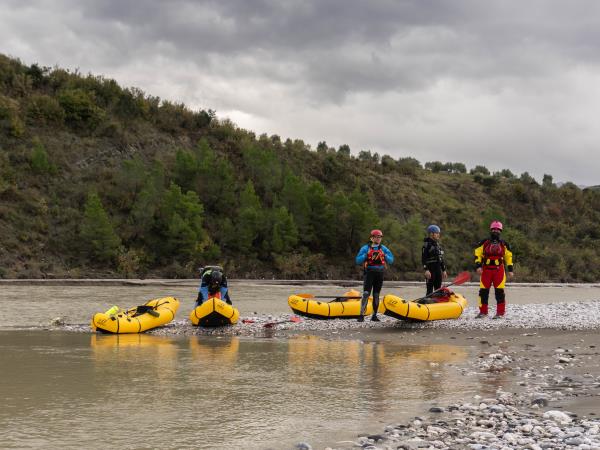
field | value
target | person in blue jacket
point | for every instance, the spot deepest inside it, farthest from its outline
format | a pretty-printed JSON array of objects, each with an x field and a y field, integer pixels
[
  {"x": 212, "y": 281},
  {"x": 373, "y": 257}
]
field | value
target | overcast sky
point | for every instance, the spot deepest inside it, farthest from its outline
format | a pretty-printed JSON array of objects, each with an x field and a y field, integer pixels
[{"x": 505, "y": 84}]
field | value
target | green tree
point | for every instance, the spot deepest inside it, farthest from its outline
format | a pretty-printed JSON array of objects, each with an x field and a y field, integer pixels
[
  {"x": 216, "y": 182},
  {"x": 344, "y": 150},
  {"x": 459, "y": 168},
  {"x": 186, "y": 170},
  {"x": 40, "y": 163},
  {"x": 434, "y": 166},
  {"x": 265, "y": 170},
  {"x": 355, "y": 216},
  {"x": 321, "y": 217},
  {"x": 284, "y": 234},
  {"x": 547, "y": 181},
  {"x": 408, "y": 166},
  {"x": 250, "y": 220},
  {"x": 180, "y": 220},
  {"x": 481, "y": 170},
  {"x": 294, "y": 197},
  {"x": 322, "y": 147},
  {"x": 97, "y": 233},
  {"x": 411, "y": 238}
]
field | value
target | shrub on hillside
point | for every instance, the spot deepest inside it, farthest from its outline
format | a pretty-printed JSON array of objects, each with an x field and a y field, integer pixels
[
  {"x": 45, "y": 110},
  {"x": 10, "y": 121},
  {"x": 81, "y": 112},
  {"x": 40, "y": 163}
]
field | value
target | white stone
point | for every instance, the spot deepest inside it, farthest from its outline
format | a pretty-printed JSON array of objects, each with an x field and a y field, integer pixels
[
  {"x": 484, "y": 435},
  {"x": 557, "y": 416},
  {"x": 436, "y": 430},
  {"x": 556, "y": 431},
  {"x": 510, "y": 437},
  {"x": 526, "y": 428}
]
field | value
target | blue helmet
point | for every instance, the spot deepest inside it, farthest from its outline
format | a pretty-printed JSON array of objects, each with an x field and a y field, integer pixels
[{"x": 433, "y": 229}]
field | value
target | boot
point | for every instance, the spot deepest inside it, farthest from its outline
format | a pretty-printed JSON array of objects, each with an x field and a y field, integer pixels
[
  {"x": 481, "y": 315},
  {"x": 483, "y": 311},
  {"x": 500, "y": 309},
  {"x": 360, "y": 319},
  {"x": 374, "y": 318}
]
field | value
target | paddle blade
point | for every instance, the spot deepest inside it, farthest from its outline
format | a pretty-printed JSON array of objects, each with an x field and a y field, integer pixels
[
  {"x": 461, "y": 278},
  {"x": 294, "y": 319}
]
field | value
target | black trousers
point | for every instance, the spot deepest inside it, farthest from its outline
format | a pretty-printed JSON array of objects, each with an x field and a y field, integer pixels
[
  {"x": 435, "y": 282},
  {"x": 372, "y": 280}
]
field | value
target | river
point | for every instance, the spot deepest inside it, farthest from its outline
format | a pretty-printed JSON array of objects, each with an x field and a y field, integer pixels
[{"x": 68, "y": 389}]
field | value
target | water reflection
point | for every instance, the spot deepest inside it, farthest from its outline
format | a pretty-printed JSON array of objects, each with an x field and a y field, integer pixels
[
  {"x": 372, "y": 373},
  {"x": 208, "y": 392}
]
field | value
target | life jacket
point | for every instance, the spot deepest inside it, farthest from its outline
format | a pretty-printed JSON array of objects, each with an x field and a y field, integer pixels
[
  {"x": 442, "y": 295},
  {"x": 493, "y": 253},
  {"x": 434, "y": 252},
  {"x": 375, "y": 257}
]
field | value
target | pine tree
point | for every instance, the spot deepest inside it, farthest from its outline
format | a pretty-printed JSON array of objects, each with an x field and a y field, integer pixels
[{"x": 97, "y": 232}]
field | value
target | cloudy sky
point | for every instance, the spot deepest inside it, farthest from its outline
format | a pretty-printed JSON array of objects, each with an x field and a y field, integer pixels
[{"x": 505, "y": 84}]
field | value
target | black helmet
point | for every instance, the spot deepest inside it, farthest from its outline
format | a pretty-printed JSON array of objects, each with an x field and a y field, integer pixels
[{"x": 215, "y": 280}]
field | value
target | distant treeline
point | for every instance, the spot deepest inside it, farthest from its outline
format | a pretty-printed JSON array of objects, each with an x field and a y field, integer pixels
[{"x": 97, "y": 180}]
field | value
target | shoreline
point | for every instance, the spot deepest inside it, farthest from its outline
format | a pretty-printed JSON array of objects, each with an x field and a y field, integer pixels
[{"x": 555, "y": 403}]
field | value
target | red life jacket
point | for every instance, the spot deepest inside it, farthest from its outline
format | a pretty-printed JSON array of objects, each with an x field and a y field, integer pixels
[
  {"x": 493, "y": 251},
  {"x": 375, "y": 257}
]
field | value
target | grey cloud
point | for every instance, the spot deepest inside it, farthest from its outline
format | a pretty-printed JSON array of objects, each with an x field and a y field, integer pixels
[
  {"x": 423, "y": 73},
  {"x": 338, "y": 47}
]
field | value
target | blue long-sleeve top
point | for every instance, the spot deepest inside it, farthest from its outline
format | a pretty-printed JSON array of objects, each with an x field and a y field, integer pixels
[{"x": 363, "y": 254}]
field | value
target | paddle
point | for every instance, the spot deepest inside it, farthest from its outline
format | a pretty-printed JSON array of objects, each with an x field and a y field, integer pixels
[
  {"x": 291, "y": 319},
  {"x": 460, "y": 279}
]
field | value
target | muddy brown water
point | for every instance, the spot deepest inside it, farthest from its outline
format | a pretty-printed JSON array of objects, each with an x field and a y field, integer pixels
[{"x": 65, "y": 389}]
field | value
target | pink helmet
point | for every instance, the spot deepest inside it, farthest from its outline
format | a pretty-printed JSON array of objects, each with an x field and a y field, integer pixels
[
  {"x": 496, "y": 224},
  {"x": 376, "y": 233}
]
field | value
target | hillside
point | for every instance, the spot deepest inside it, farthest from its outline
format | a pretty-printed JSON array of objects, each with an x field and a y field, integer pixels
[{"x": 97, "y": 180}]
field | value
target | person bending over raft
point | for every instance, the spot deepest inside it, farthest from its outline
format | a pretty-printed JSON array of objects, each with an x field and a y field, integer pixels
[
  {"x": 490, "y": 256},
  {"x": 432, "y": 258},
  {"x": 373, "y": 257},
  {"x": 212, "y": 280}
]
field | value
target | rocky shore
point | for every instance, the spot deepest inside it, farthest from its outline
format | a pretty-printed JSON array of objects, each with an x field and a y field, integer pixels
[
  {"x": 508, "y": 421},
  {"x": 533, "y": 417}
]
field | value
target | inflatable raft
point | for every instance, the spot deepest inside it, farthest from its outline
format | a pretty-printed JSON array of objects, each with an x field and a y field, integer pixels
[
  {"x": 151, "y": 314},
  {"x": 446, "y": 306},
  {"x": 214, "y": 312},
  {"x": 346, "y": 306}
]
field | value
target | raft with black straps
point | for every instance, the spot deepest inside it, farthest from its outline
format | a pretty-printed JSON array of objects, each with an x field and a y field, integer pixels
[
  {"x": 346, "y": 306},
  {"x": 214, "y": 312},
  {"x": 137, "y": 319},
  {"x": 448, "y": 306}
]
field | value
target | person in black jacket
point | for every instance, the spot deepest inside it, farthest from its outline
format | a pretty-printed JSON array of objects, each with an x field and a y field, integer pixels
[{"x": 432, "y": 258}]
